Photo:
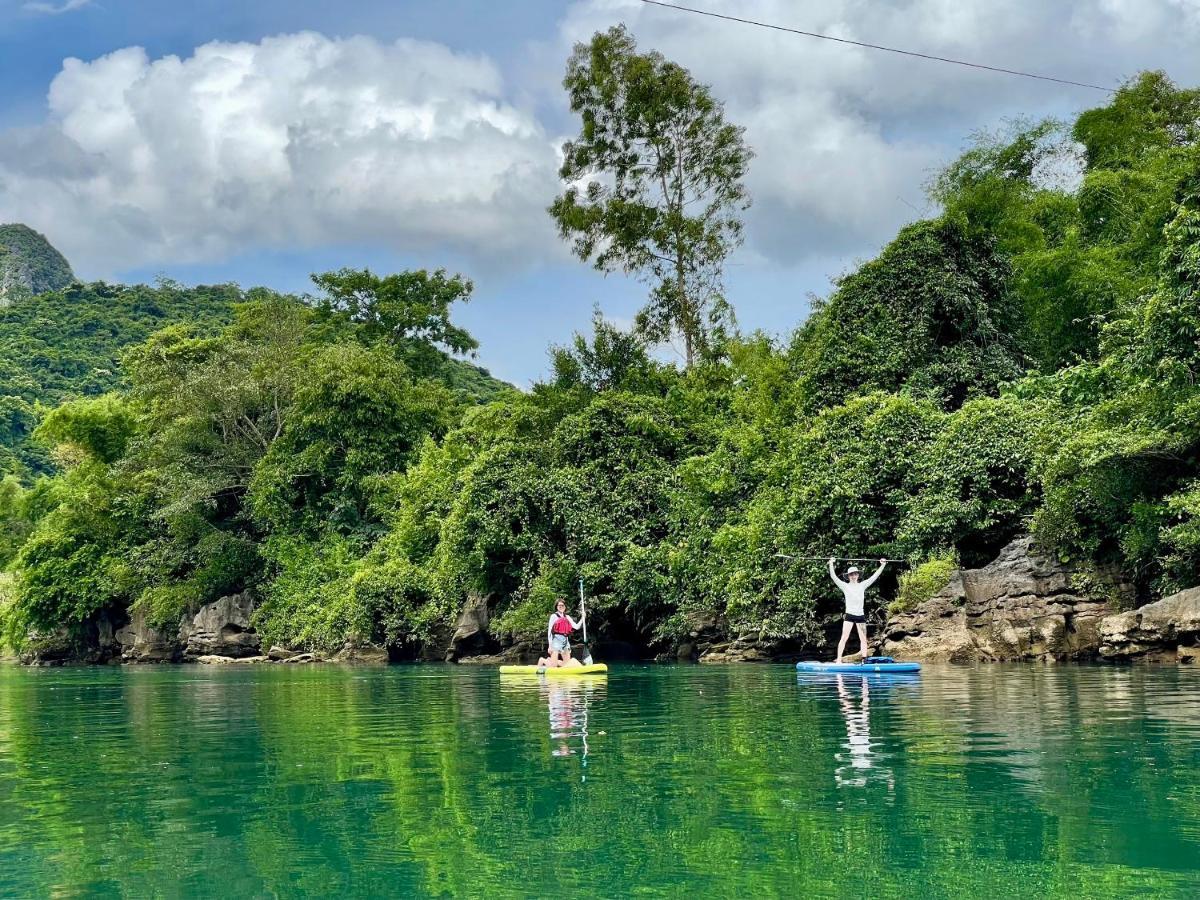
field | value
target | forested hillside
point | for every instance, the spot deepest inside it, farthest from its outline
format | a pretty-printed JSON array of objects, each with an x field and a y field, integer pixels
[
  {"x": 68, "y": 343},
  {"x": 1025, "y": 360}
]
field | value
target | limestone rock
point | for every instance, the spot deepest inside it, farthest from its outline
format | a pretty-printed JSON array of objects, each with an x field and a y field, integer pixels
[
  {"x": 1021, "y": 606},
  {"x": 221, "y": 628},
  {"x": 53, "y": 648},
  {"x": 1166, "y": 631},
  {"x": 213, "y": 659},
  {"x": 746, "y": 647},
  {"x": 362, "y": 652},
  {"x": 300, "y": 658},
  {"x": 29, "y": 264},
  {"x": 514, "y": 654},
  {"x": 471, "y": 636},
  {"x": 707, "y": 639},
  {"x": 95, "y": 642},
  {"x": 728, "y": 653},
  {"x": 140, "y": 643}
]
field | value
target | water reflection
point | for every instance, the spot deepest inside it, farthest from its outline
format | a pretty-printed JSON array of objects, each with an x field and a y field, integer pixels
[
  {"x": 444, "y": 781},
  {"x": 856, "y": 763},
  {"x": 567, "y": 703}
]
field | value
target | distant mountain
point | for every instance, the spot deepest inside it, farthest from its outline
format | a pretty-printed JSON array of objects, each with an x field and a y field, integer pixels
[
  {"x": 29, "y": 264},
  {"x": 60, "y": 338}
]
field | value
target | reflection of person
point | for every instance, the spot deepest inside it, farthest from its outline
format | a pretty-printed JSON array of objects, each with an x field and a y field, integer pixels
[
  {"x": 562, "y": 718},
  {"x": 855, "y": 593},
  {"x": 858, "y": 727},
  {"x": 858, "y": 739},
  {"x": 568, "y": 706},
  {"x": 558, "y": 635}
]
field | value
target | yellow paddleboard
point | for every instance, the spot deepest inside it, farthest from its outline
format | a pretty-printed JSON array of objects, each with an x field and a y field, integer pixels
[{"x": 560, "y": 671}]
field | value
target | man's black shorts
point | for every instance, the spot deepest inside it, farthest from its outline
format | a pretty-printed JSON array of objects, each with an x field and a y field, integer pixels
[{"x": 850, "y": 617}]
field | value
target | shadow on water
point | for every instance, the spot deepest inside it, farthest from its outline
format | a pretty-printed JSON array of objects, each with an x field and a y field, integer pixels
[{"x": 659, "y": 780}]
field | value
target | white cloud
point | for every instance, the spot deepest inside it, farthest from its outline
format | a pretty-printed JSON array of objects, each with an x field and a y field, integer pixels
[
  {"x": 299, "y": 140},
  {"x": 50, "y": 9},
  {"x": 846, "y": 136},
  {"x": 302, "y": 140}
]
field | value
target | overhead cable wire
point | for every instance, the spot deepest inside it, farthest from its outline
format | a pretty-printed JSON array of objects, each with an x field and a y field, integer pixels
[{"x": 914, "y": 53}]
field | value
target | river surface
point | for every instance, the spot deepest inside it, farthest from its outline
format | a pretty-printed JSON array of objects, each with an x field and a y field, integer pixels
[{"x": 655, "y": 781}]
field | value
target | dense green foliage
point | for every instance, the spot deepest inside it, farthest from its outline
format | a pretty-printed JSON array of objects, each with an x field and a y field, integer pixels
[
  {"x": 230, "y": 448},
  {"x": 67, "y": 343},
  {"x": 29, "y": 264},
  {"x": 922, "y": 582},
  {"x": 1079, "y": 212},
  {"x": 1021, "y": 361},
  {"x": 655, "y": 184},
  {"x": 933, "y": 315}
]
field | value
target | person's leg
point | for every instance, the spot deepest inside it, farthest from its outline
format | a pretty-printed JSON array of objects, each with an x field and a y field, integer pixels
[
  {"x": 862, "y": 639},
  {"x": 842, "y": 642}
]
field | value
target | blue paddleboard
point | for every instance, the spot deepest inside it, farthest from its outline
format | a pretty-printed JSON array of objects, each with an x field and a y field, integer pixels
[{"x": 870, "y": 668}]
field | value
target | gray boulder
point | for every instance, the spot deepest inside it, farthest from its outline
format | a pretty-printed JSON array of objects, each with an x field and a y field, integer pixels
[
  {"x": 471, "y": 636},
  {"x": 361, "y": 652},
  {"x": 1023, "y": 605},
  {"x": 221, "y": 628},
  {"x": 216, "y": 660},
  {"x": 140, "y": 643},
  {"x": 1166, "y": 631},
  {"x": 49, "y": 648}
]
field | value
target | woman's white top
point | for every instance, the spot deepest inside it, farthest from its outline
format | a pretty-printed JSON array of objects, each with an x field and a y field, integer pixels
[{"x": 855, "y": 593}]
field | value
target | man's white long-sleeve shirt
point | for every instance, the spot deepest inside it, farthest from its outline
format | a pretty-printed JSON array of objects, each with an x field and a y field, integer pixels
[{"x": 854, "y": 593}]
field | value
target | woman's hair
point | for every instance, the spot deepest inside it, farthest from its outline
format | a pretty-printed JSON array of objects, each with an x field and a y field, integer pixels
[{"x": 558, "y": 601}]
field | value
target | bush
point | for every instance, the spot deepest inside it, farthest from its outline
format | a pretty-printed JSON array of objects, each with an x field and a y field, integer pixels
[{"x": 922, "y": 582}]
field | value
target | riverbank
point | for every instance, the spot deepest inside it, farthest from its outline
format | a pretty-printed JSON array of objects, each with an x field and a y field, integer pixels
[
  {"x": 1023, "y": 606},
  {"x": 1027, "y": 606}
]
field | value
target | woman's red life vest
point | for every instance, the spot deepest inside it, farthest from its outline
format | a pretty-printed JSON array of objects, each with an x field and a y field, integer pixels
[{"x": 562, "y": 625}]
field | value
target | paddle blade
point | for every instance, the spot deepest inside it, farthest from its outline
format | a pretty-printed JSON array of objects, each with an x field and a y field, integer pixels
[{"x": 587, "y": 655}]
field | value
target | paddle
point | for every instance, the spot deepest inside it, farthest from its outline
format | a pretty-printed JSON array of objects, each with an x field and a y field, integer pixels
[{"x": 587, "y": 650}]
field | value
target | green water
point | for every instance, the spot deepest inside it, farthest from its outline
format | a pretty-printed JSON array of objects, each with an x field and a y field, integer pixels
[{"x": 657, "y": 781}]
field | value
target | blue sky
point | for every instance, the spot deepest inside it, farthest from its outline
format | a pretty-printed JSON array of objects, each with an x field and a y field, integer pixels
[{"x": 260, "y": 142}]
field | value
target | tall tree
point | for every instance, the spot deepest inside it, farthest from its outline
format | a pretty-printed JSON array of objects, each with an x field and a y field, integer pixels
[{"x": 655, "y": 181}]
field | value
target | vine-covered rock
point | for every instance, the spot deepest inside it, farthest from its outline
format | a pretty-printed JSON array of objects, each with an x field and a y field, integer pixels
[{"x": 29, "y": 264}]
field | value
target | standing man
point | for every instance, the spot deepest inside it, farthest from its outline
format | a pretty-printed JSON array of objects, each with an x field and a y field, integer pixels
[{"x": 854, "y": 591}]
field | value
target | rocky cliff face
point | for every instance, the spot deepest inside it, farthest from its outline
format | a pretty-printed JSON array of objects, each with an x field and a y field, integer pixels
[
  {"x": 221, "y": 629},
  {"x": 220, "y": 632},
  {"x": 1166, "y": 631},
  {"x": 1022, "y": 606},
  {"x": 139, "y": 642}
]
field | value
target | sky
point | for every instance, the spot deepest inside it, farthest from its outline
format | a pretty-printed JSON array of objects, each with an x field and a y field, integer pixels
[{"x": 260, "y": 142}]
